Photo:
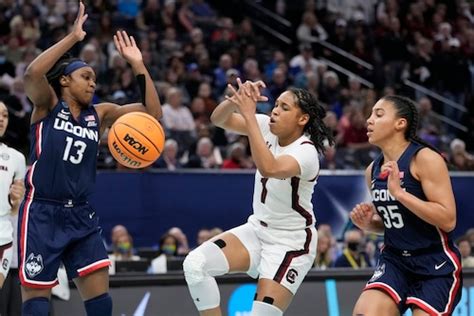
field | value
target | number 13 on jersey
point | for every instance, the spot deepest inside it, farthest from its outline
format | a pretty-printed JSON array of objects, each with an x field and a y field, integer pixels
[{"x": 80, "y": 148}]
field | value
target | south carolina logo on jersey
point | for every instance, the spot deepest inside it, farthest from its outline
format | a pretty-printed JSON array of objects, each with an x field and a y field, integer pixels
[
  {"x": 378, "y": 273},
  {"x": 5, "y": 264},
  {"x": 291, "y": 275},
  {"x": 34, "y": 265}
]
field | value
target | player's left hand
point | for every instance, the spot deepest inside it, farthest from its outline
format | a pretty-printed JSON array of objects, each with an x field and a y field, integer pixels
[
  {"x": 393, "y": 179},
  {"x": 127, "y": 47},
  {"x": 16, "y": 193}
]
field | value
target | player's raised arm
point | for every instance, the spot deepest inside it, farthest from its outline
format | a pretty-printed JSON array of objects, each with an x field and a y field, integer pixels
[
  {"x": 150, "y": 102},
  {"x": 37, "y": 87}
]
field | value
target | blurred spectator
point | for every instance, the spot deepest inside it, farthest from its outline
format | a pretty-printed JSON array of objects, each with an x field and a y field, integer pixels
[
  {"x": 204, "y": 15},
  {"x": 168, "y": 247},
  {"x": 149, "y": 18},
  {"x": 310, "y": 30},
  {"x": 198, "y": 110},
  {"x": 465, "y": 250},
  {"x": 122, "y": 250},
  {"x": 278, "y": 84},
  {"x": 460, "y": 158},
  {"x": 470, "y": 236},
  {"x": 429, "y": 125},
  {"x": 216, "y": 231},
  {"x": 447, "y": 62},
  {"x": 393, "y": 51},
  {"x": 324, "y": 255},
  {"x": 354, "y": 140},
  {"x": 220, "y": 73},
  {"x": 206, "y": 156},
  {"x": 205, "y": 93},
  {"x": 237, "y": 158},
  {"x": 203, "y": 235},
  {"x": 169, "y": 158},
  {"x": 178, "y": 120},
  {"x": 353, "y": 255},
  {"x": 183, "y": 246},
  {"x": 304, "y": 61}
]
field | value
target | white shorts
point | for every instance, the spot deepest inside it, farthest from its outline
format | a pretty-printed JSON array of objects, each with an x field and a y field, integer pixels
[
  {"x": 284, "y": 256},
  {"x": 6, "y": 254}
]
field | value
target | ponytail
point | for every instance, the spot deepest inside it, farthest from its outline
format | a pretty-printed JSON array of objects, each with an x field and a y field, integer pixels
[
  {"x": 406, "y": 108},
  {"x": 319, "y": 133}
]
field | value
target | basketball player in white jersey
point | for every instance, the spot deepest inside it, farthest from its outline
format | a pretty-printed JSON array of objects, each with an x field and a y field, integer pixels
[
  {"x": 12, "y": 172},
  {"x": 278, "y": 242}
]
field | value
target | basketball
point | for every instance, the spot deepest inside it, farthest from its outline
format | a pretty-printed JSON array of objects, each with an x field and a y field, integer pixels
[{"x": 136, "y": 140}]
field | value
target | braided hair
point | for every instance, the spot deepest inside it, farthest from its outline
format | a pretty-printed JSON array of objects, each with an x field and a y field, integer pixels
[
  {"x": 318, "y": 131},
  {"x": 406, "y": 108},
  {"x": 55, "y": 73}
]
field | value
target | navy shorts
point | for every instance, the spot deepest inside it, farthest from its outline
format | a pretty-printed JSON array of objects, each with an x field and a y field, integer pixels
[
  {"x": 429, "y": 281},
  {"x": 50, "y": 233}
]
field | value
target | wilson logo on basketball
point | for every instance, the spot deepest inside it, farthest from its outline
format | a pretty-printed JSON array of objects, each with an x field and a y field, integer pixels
[
  {"x": 124, "y": 158},
  {"x": 135, "y": 144}
]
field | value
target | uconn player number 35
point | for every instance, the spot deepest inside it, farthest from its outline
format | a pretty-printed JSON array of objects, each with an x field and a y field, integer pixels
[{"x": 391, "y": 216}]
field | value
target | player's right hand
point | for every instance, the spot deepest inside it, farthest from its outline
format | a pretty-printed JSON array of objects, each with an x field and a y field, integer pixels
[
  {"x": 255, "y": 90},
  {"x": 16, "y": 193},
  {"x": 361, "y": 215},
  {"x": 77, "y": 30}
]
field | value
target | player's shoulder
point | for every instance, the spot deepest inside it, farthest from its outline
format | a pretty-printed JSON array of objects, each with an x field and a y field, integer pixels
[
  {"x": 14, "y": 152},
  {"x": 306, "y": 144},
  {"x": 427, "y": 155}
]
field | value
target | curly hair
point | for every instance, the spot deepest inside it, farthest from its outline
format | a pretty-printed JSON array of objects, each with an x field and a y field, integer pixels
[{"x": 316, "y": 128}]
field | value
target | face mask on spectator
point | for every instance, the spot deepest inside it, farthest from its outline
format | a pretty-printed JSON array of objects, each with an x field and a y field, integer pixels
[
  {"x": 168, "y": 249},
  {"x": 353, "y": 245},
  {"x": 124, "y": 247}
]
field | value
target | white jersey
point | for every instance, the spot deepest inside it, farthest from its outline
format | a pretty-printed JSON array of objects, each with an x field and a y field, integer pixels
[
  {"x": 12, "y": 167},
  {"x": 286, "y": 203}
]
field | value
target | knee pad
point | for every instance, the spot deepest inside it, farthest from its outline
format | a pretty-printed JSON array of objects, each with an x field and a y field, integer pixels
[
  {"x": 265, "y": 309},
  {"x": 207, "y": 260}
]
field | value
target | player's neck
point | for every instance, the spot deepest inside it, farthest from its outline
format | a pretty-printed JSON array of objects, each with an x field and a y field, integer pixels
[
  {"x": 393, "y": 150},
  {"x": 73, "y": 106}
]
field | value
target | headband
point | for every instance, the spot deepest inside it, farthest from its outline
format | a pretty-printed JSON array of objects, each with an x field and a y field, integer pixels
[{"x": 74, "y": 66}]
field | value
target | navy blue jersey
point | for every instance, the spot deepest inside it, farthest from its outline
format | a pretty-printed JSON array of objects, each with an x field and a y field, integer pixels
[
  {"x": 63, "y": 155},
  {"x": 403, "y": 229}
]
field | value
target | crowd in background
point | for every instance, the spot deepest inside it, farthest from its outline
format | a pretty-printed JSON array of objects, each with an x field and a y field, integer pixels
[
  {"x": 193, "y": 51},
  {"x": 353, "y": 250}
]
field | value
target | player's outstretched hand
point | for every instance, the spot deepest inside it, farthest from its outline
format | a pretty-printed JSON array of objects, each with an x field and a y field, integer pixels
[
  {"x": 77, "y": 29},
  {"x": 361, "y": 215},
  {"x": 127, "y": 47}
]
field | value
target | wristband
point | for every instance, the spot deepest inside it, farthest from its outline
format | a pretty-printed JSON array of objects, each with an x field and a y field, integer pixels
[{"x": 142, "y": 85}]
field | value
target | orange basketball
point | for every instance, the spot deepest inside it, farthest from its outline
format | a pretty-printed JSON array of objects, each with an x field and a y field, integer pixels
[{"x": 136, "y": 140}]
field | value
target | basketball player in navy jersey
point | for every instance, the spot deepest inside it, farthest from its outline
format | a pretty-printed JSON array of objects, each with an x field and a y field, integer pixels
[
  {"x": 278, "y": 242},
  {"x": 56, "y": 223},
  {"x": 413, "y": 206}
]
